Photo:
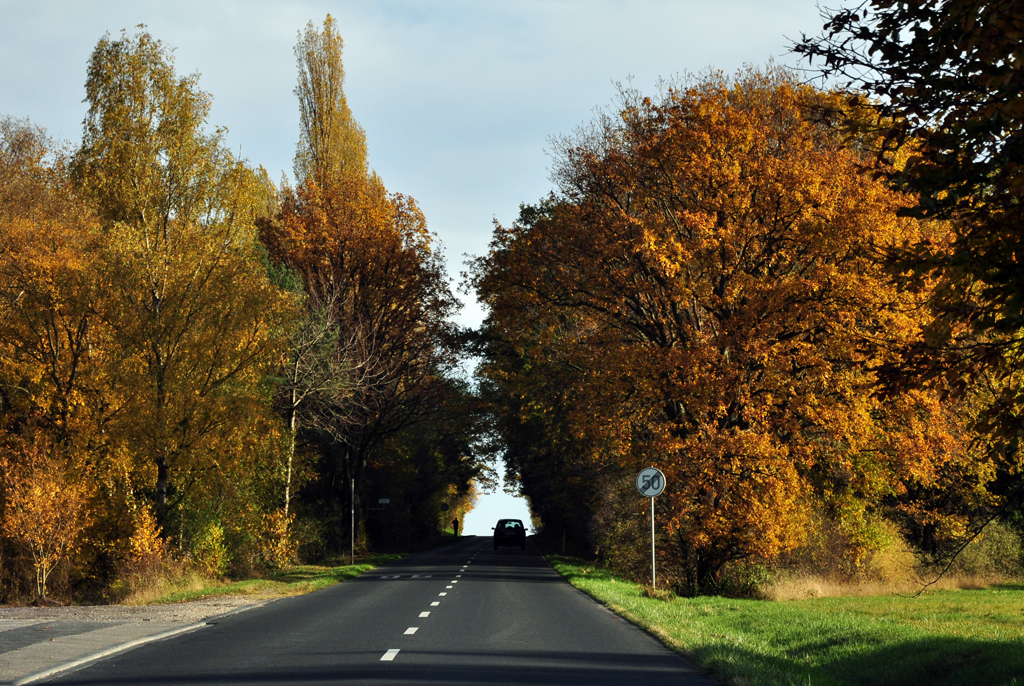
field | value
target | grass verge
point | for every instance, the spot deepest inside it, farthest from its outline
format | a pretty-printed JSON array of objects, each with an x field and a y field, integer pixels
[
  {"x": 944, "y": 638},
  {"x": 296, "y": 580}
]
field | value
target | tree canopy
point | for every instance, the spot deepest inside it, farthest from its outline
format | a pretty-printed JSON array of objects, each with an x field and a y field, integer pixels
[
  {"x": 702, "y": 295},
  {"x": 944, "y": 94}
]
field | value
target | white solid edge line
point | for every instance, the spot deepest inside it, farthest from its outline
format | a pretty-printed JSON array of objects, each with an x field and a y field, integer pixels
[
  {"x": 411, "y": 630},
  {"x": 104, "y": 653},
  {"x": 390, "y": 655},
  {"x": 130, "y": 644}
]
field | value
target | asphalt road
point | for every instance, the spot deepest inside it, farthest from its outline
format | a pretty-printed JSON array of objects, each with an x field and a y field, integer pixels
[{"x": 460, "y": 614}]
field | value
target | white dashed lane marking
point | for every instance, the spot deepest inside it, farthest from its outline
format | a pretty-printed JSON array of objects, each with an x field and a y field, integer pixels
[
  {"x": 435, "y": 603},
  {"x": 411, "y": 630},
  {"x": 424, "y": 614},
  {"x": 390, "y": 655},
  {"x": 442, "y": 593},
  {"x": 447, "y": 586}
]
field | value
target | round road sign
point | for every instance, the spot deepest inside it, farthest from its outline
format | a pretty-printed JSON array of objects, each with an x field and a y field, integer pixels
[{"x": 650, "y": 482}]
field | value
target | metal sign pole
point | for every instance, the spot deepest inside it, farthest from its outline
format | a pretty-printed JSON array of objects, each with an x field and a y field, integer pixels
[
  {"x": 352, "y": 519},
  {"x": 651, "y": 483},
  {"x": 654, "y": 581}
]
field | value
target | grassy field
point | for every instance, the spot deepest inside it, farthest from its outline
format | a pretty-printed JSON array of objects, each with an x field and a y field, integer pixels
[
  {"x": 942, "y": 638},
  {"x": 295, "y": 580}
]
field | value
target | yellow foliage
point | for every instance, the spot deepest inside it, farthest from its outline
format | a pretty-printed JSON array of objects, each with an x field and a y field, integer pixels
[
  {"x": 45, "y": 507},
  {"x": 145, "y": 543}
]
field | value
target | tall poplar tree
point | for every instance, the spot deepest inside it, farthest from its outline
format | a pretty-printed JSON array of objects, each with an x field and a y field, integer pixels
[
  {"x": 369, "y": 254},
  {"x": 331, "y": 142}
]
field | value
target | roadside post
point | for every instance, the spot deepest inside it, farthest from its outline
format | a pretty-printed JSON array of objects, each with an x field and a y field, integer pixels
[{"x": 651, "y": 483}]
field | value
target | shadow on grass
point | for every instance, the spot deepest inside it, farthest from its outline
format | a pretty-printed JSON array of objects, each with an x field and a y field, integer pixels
[
  {"x": 781, "y": 644},
  {"x": 937, "y": 661},
  {"x": 1017, "y": 586},
  {"x": 300, "y": 575},
  {"x": 587, "y": 569},
  {"x": 282, "y": 582}
]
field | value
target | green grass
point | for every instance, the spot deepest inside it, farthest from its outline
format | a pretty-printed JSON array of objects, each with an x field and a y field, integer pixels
[
  {"x": 295, "y": 580},
  {"x": 942, "y": 638}
]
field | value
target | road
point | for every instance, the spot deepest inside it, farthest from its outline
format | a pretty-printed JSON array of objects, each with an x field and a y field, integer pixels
[{"x": 460, "y": 614}]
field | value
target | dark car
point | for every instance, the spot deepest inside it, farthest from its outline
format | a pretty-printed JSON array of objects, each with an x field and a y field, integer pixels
[{"x": 510, "y": 532}]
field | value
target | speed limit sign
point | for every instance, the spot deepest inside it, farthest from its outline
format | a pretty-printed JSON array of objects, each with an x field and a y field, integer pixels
[{"x": 650, "y": 482}]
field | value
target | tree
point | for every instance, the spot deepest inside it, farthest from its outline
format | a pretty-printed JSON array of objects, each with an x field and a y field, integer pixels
[
  {"x": 45, "y": 507},
  {"x": 425, "y": 467},
  {"x": 331, "y": 142},
  {"x": 706, "y": 281},
  {"x": 51, "y": 343},
  {"x": 390, "y": 304},
  {"x": 367, "y": 257},
  {"x": 319, "y": 384},
  {"x": 945, "y": 93},
  {"x": 193, "y": 313}
]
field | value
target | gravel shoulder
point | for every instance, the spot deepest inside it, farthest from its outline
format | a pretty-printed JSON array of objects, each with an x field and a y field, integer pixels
[
  {"x": 185, "y": 613},
  {"x": 37, "y": 642}
]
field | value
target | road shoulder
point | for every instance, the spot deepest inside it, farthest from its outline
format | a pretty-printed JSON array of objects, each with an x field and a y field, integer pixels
[{"x": 36, "y": 643}]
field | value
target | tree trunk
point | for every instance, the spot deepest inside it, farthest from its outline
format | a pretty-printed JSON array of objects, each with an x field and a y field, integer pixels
[
  {"x": 162, "y": 477},
  {"x": 293, "y": 429}
]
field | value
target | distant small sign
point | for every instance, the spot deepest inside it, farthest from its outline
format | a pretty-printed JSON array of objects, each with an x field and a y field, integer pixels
[
  {"x": 384, "y": 501},
  {"x": 650, "y": 482}
]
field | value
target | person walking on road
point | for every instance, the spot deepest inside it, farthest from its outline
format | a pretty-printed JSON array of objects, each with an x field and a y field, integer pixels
[{"x": 455, "y": 526}]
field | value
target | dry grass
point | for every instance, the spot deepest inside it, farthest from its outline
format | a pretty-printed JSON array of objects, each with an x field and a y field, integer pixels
[
  {"x": 802, "y": 586},
  {"x": 172, "y": 582},
  {"x": 992, "y": 559},
  {"x": 148, "y": 583}
]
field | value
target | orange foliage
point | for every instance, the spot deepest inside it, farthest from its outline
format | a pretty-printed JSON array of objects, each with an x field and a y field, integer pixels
[
  {"x": 369, "y": 255},
  {"x": 706, "y": 288}
]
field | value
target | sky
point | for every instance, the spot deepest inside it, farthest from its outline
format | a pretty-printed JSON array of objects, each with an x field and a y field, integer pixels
[{"x": 459, "y": 98}]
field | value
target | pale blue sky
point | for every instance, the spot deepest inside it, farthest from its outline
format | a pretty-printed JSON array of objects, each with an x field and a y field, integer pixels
[{"x": 458, "y": 98}]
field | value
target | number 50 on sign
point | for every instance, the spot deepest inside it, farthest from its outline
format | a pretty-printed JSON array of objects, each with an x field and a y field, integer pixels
[{"x": 650, "y": 482}]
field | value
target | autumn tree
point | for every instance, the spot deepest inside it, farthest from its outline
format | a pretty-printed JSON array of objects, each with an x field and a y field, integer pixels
[
  {"x": 344, "y": 234},
  {"x": 45, "y": 507},
  {"x": 705, "y": 281},
  {"x": 939, "y": 84},
  {"x": 331, "y": 142},
  {"x": 390, "y": 307},
  {"x": 51, "y": 343},
  {"x": 195, "y": 318},
  {"x": 54, "y": 395},
  {"x": 323, "y": 372}
]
